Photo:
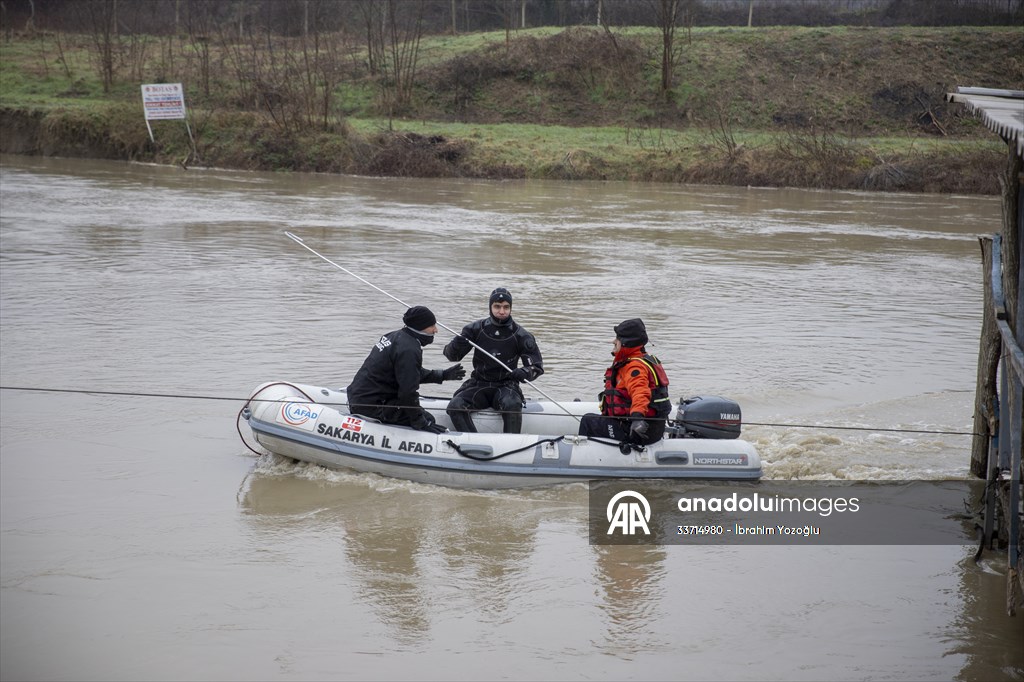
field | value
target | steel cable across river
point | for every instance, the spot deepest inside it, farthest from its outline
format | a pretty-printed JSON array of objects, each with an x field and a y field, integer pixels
[{"x": 140, "y": 535}]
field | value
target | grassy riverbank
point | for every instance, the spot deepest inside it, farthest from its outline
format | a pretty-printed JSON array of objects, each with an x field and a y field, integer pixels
[{"x": 840, "y": 107}]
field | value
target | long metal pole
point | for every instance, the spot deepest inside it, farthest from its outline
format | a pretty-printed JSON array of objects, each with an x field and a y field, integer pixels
[{"x": 298, "y": 240}]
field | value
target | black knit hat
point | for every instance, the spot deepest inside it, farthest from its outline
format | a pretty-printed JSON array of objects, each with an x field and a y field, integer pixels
[
  {"x": 631, "y": 333},
  {"x": 499, "y": 295},
  {"x": 419, "y": 317}
]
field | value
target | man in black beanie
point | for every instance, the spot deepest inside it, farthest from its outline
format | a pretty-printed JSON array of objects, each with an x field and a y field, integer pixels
[
  {"x": 387, "y": 386},
  {"x": 635, "y": 400},
  {"x": 493, "y": 384}
]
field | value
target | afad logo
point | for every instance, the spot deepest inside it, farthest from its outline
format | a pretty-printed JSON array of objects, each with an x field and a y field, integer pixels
[
  {"x": 629, "y": 515},
  {"x": 301, "y": 415}
]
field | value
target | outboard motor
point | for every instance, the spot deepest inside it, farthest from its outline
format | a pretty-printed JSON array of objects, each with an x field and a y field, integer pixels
[{"x": 707, "y": 416}]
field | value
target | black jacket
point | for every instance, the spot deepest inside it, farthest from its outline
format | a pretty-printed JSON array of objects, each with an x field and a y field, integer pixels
[
  {"x": 392, "y": 374},
  {"x": 506, "y": 341}
]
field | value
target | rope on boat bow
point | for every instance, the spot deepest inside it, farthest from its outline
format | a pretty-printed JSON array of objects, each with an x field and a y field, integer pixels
[{"x": 244, "y": 412}]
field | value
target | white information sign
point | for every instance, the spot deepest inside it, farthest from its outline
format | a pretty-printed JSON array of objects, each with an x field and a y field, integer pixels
[{"x": 163, "y": 101}]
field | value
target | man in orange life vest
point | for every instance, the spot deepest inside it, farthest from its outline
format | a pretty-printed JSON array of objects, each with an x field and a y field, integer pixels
[{"x": 635, "y": 401}]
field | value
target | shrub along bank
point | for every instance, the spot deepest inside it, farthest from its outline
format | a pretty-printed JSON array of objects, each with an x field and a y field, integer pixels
[{"x": 827, "y": 108}]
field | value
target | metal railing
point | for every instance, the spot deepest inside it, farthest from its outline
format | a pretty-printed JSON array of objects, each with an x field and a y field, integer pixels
[{"x": 1004, "y": 452}]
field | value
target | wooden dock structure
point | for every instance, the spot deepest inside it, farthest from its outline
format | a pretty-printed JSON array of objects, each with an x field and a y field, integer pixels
[{"x": 999, "y": 396}]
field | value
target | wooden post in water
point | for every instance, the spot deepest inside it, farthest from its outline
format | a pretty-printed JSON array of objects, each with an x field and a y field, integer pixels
[{"x": 988, "y": 364}]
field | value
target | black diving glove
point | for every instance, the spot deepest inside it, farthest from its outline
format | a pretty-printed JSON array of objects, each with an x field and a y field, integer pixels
[
  {"x": 638, "y": 428},
  {"x": 521, "y": 374},
  {"x": 453, "y": 372}
]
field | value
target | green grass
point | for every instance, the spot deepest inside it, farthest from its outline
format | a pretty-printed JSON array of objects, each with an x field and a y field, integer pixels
[
  {"x": 435, "y": 49},
  {"x": 35, "y": 73}
]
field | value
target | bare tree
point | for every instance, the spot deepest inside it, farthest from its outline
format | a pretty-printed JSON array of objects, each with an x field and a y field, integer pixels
[
  {"x": 199, "y": 23},
  {"x": 100, "y": 18},
  {"x": 667, "y": 13},
  {"x": 59, "y": 39},
  {"x": 320, "y": 72},
  {"x": 372, "y": 13},
  {"x": 506, "y": 9},
  {"x": 393, "y": 32},
  {"x": 30, "y": 23},
  {"x": 404, "y": 31}
]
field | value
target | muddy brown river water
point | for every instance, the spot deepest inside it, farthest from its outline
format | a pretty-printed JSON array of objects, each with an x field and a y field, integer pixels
[{"x": 142, "y": 540}]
